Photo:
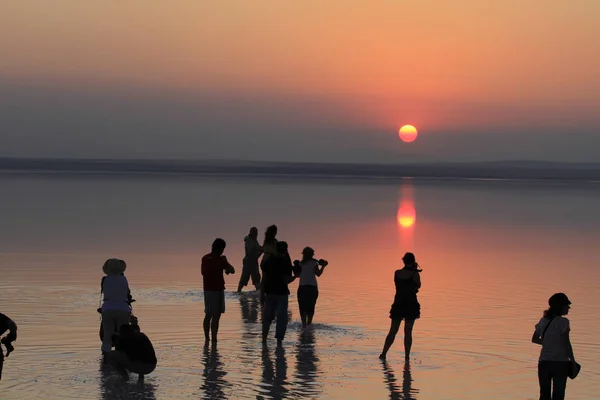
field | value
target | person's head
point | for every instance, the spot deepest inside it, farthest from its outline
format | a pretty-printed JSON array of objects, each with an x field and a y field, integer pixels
[
  {"x": 559, "y": 305},
  {"x": 271, "y": 232},
  {"x": 253, "y": 232},
  {"x": 114, "y": 266},
  {"x": 282, "y": 248},
  {"x": 218, "y": 246},
  {"x": 409, "y": 259},
  {"x": 307, "y": 254}
]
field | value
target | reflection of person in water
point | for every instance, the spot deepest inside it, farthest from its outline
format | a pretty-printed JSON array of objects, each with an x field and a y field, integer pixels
[
  {"x": 249, "y": 306},
  {"x": 306, "y": 364},
  {"x": 213, "y": 375},
  {"x": 275, "y": 378},
  {"x": 112, "y": 387},
  {"x": 397, "y": 393}
]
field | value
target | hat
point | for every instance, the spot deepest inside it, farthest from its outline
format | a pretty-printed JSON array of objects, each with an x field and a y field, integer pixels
[
  {"x": 114, "y": 266},
  {"x": 309, "y": 251},
  {"x": 409, "y": 258},
  {"x": 558, "y": 300}
]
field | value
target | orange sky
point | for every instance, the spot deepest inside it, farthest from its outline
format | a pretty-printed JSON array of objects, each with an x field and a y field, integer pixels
[{"x": 405, "y": 61}]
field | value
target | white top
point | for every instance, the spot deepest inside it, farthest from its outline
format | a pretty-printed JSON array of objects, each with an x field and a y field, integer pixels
[
  {"x": 115, "y": 289},
  {"x": 553, "y": 346},
  {"x": 308, "y": 275}
]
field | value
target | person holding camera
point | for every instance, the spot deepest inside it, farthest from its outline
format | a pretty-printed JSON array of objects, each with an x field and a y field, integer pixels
[
  {"x": 214, "y": 264},
  {"x": 250, "y": 267},
  {"x": 116, "y": 305},
  {"x": 277, "y": 274},
  {"x": 308, "y": 270},
  {"x": 406, "y": 305},
  {"x": 133, "y": 352}
]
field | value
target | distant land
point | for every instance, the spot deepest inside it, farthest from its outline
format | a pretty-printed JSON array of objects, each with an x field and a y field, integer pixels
[{"x": 508, "y": 170}]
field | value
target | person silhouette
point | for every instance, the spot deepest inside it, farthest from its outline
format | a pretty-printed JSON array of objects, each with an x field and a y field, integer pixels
[
  {"x": 406, "y": 306},
  {"x": 113, "y": 388},
  {"x": 250, "y": 267},
  {"x": 557, "y": 361},
  {"x": 308, "y": 269},
  {"x": 214, "y": 265}
]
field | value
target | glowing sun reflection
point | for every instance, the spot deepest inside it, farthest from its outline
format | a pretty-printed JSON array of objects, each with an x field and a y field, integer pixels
[{"x": 406, "y": 217}]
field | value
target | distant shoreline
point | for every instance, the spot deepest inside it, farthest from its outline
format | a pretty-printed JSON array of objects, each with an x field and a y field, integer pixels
[{"x": 499, "y": 170}]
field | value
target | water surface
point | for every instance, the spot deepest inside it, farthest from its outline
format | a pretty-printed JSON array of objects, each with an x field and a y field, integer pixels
[{"x": 492, "y": 253}]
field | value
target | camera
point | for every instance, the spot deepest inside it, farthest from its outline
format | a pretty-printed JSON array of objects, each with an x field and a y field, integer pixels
[{"x": 322, "y": 262}]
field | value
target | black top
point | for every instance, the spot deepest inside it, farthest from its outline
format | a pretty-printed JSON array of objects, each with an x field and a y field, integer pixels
[
  {"x": 277, "y": 272},
  {"x": 4, "y": 322},
  {"x": 138, "y": 347}
]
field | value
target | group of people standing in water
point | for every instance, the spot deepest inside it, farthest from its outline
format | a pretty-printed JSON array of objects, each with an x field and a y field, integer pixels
[
  {"x": 134, "y": 352},
  {"x": 278, "y": 271}
]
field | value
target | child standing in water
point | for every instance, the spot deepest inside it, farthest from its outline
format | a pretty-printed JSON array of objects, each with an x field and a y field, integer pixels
[
  {"x": 406, "y": 306},
  {"x": 308, "y": 270}
]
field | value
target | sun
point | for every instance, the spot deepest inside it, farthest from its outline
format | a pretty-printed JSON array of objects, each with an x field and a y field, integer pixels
[{"x": 408, "y": 133}]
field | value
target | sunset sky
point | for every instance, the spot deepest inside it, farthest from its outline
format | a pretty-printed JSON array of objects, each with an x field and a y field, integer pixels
[{"x": 301, "y": 81}]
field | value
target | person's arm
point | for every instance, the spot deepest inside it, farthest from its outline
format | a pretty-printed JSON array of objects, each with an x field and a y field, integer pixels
[
  {"x": 417, "y": 278},
  {"x": 536, "y": 337},
  {"x": 567, "y": 342},
  {"x": 203, "y": 267},
  {"x": 228, "y": 268},
  {"x": 319, "y": 271},
  {"x": 289, "y": 271}
]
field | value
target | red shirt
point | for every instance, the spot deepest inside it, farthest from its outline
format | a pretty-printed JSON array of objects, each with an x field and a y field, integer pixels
[{"x": 213, "y": 268}]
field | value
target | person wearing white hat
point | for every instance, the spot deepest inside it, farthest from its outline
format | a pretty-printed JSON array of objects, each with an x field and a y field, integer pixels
[{"x": 116, "y": 308}]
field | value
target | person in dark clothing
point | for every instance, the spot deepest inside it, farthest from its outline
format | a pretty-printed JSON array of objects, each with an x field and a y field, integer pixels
[
  {"x": 277, "y": 274},
  {"x": 214, "y": 264},
  {"x": 250, "y": 267},
  {"x": 406, "y": 306},
  {"x": 7, "y": 324},
  {"x": 133, "y": 352}
]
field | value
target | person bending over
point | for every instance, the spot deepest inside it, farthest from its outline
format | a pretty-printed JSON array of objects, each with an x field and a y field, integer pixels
[{"x": 133, "y": 352}]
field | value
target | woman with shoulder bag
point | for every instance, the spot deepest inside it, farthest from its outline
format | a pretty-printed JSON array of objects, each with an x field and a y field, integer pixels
[{"x": 556, "y": 362}]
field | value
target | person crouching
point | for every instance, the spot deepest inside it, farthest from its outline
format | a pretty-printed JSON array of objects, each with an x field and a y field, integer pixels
[{"x": 133, "y": 352}]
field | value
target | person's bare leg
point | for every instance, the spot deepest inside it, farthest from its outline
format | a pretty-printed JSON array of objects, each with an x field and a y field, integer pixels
[
  {"x": 240, "y": 286},
  {"x": 303, "y": 317},
  {"x": 389, "y": 340},
  {"x": 408, "y": 328},
  {"x": 309, "y": 318},
  {"x": 214, "y": 327},
  {"x": 206, "y": 326}
]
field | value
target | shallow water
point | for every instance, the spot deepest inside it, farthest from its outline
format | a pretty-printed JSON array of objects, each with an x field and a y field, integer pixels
[{"x": 492, "y": 253}]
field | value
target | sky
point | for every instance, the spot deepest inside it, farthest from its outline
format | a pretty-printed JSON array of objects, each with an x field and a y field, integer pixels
[{"x": 300, "y": 81}]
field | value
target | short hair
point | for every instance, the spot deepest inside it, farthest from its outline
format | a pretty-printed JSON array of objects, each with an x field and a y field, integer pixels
[{"x": 219, "y": 244}]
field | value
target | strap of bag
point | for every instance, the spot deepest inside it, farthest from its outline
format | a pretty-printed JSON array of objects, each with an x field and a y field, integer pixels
[{"x": 546, "y": 328}]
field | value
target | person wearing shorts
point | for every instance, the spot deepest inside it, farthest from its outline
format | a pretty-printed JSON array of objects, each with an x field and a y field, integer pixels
[{"x": 214, "y": 265}]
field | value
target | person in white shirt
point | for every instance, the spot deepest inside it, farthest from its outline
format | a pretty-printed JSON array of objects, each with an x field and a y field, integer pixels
[
  {"x": 116, "y": 305},
  {"x": 556, "y": 357},
  {"x": 308, "y": 270}
]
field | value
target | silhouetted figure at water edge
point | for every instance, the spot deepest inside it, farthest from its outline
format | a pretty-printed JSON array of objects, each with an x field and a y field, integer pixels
[
  {"x": 214, "y": 265},
  {"x": 133, "y": 352},
  {"x": 406, "y": 306},
  {"x": 116, "y": 302},
  {"x": 277, "y": 274},
  {"x": 308, "y": 291},
  {"x": 556, "y": 361},
  {"x": 250, "y": 267},
  {"x": 7, "y": 325},
  {"x": 269, "y": 250}
]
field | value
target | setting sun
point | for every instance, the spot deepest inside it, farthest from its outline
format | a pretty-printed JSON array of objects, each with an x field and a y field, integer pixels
[{"x": 408, "y": 133}]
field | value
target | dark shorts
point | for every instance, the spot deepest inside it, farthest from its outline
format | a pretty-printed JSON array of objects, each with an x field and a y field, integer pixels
[
  {"x": 307, "y": 298},
  {"x": 121, "y": 359},
  {"x": 214, "y": 302}
]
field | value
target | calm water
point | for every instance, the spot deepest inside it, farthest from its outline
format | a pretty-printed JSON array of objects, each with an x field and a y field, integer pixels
[{"x": 492, "y": 253}]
